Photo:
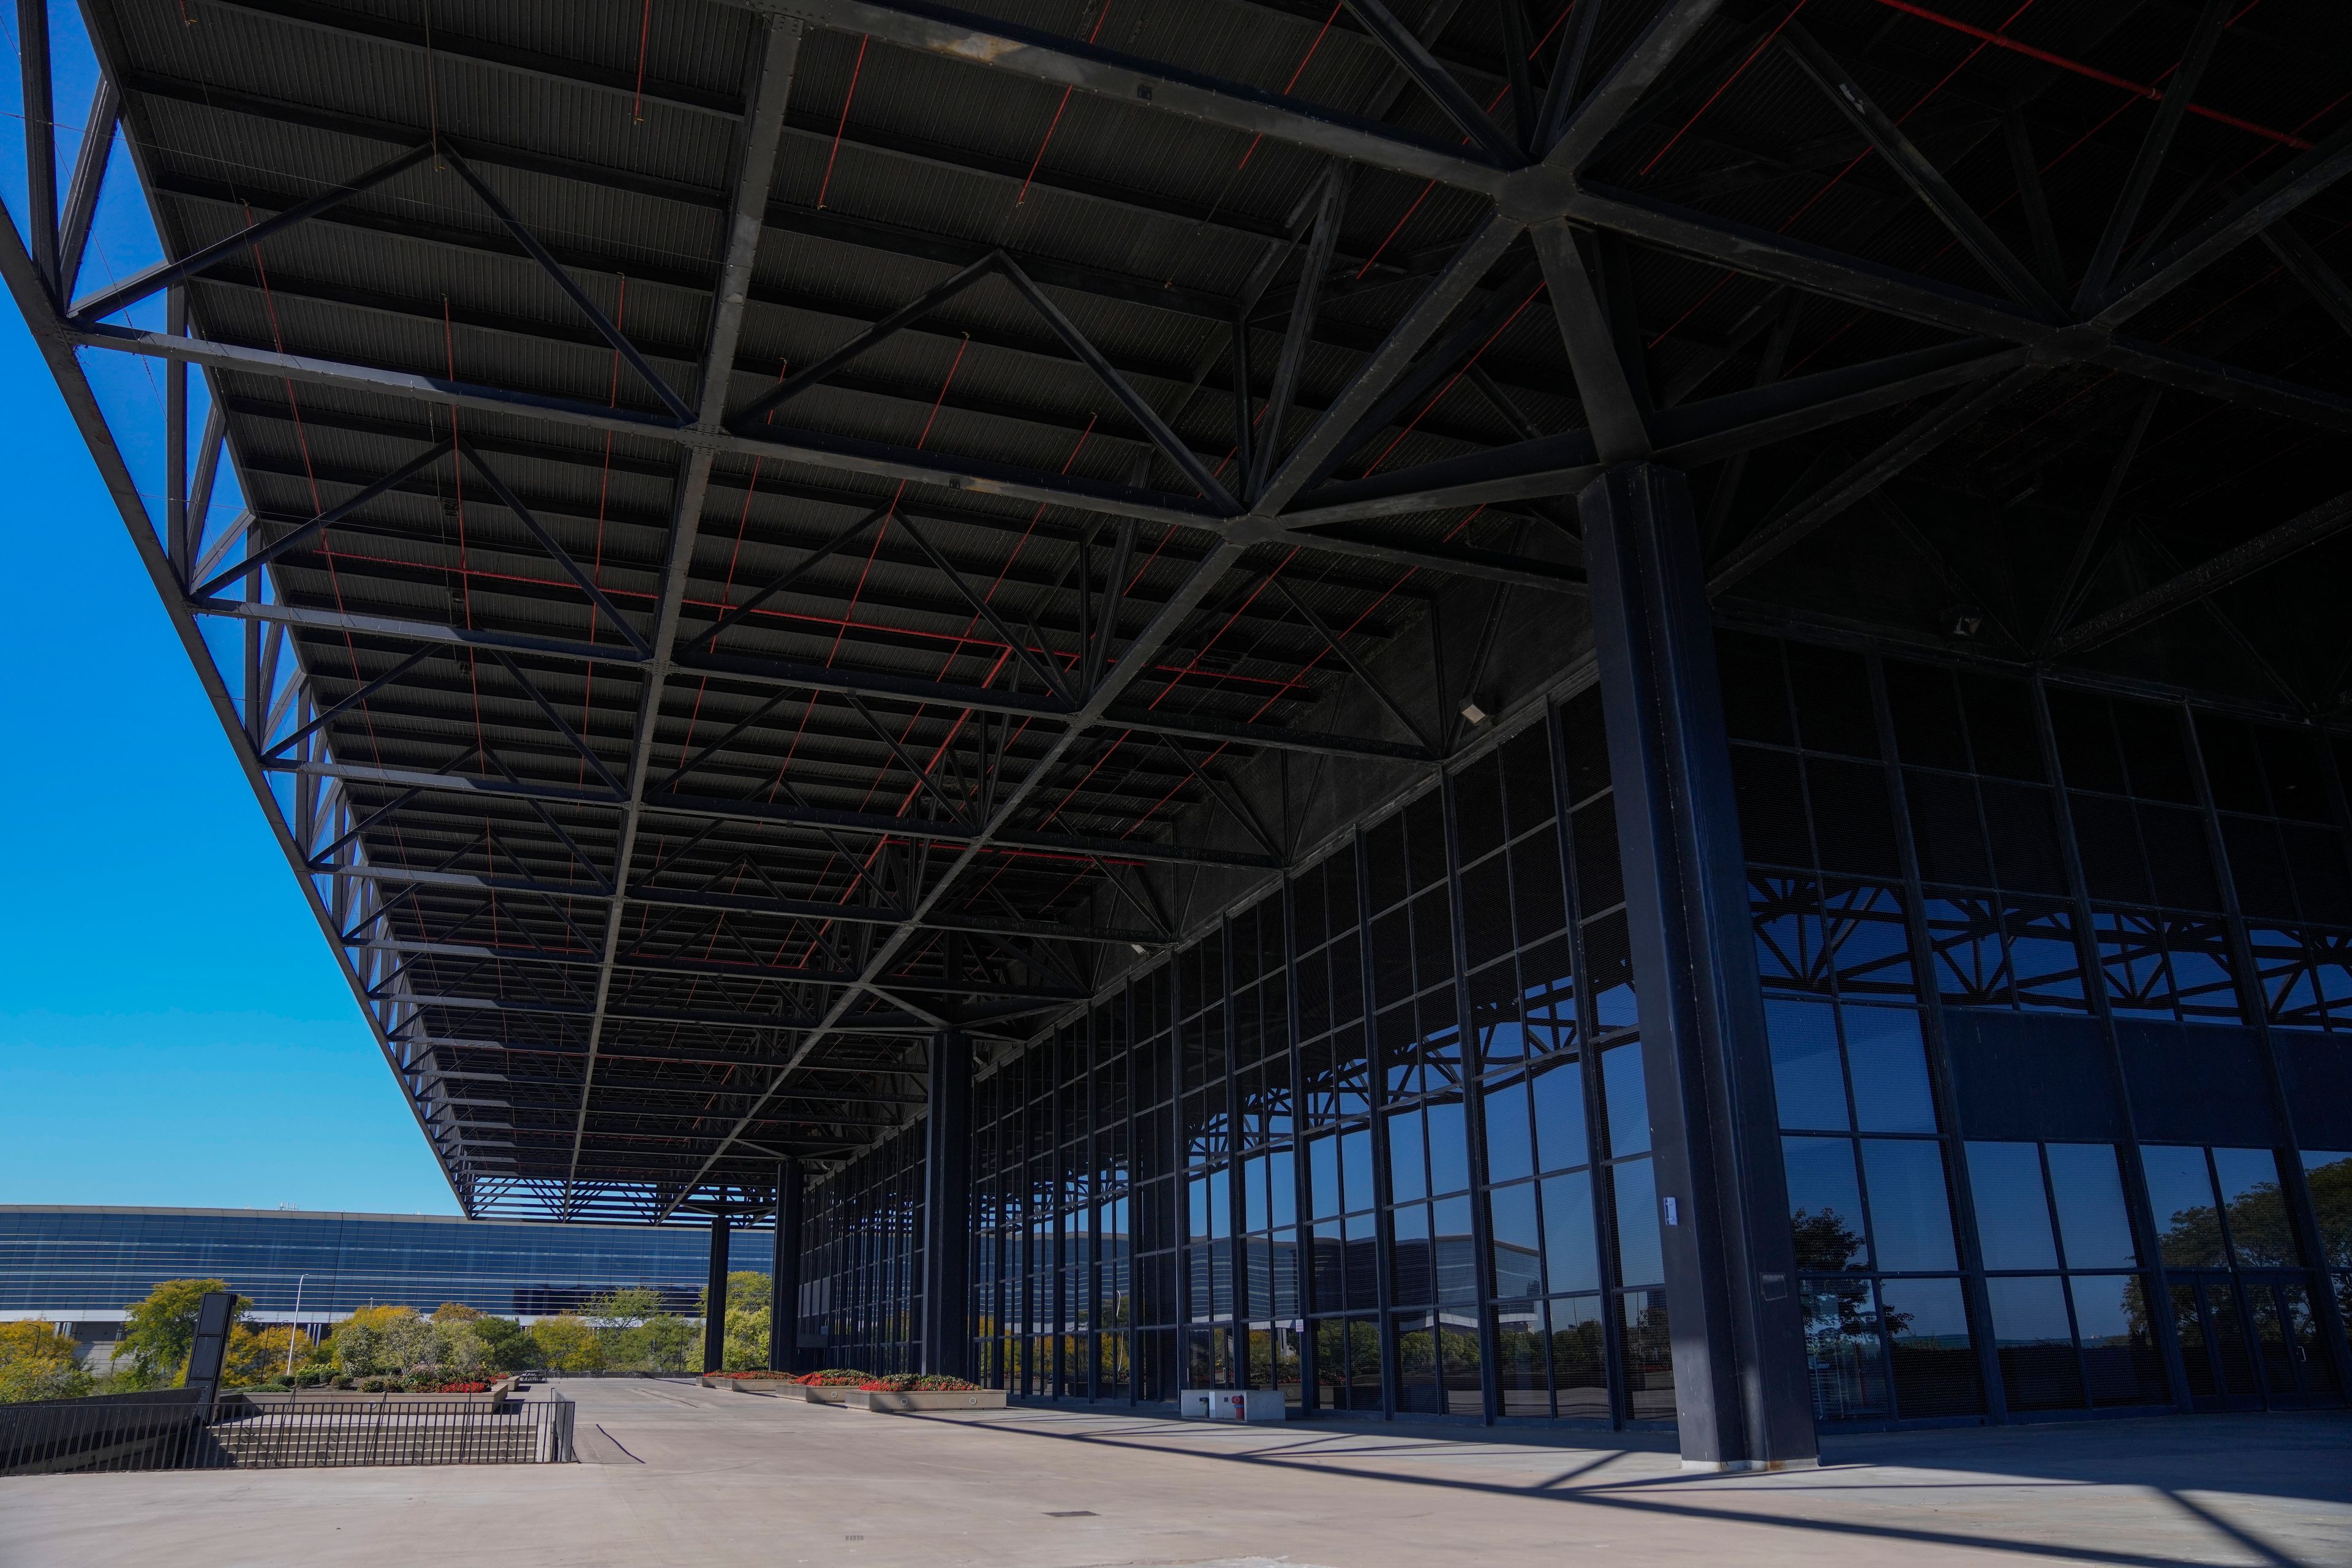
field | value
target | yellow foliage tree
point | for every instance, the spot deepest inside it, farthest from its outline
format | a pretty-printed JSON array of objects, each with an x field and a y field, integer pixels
[
  {"x": 258, "y": 1355},
  {"x": 36, "y": 1361},
  {"x": 569, "y": 1343}
]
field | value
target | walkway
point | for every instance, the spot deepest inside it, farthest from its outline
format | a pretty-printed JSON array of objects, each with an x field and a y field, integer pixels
[{"x": 703, "y": 1478}]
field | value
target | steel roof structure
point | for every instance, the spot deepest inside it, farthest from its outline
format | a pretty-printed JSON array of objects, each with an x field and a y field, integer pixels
[{"x": 774, "y": 530}]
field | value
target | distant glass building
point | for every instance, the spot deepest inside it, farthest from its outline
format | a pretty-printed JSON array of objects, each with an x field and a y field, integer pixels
[{"x": 86, "y": 1266}]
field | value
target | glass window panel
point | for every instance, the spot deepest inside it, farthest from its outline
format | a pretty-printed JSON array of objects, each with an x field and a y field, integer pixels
[
  {"x": 1363, "y": 1260},
  {"x": 1947, "y": 829},
  {"x": 1519, "y": 1241},
  {"x": 1609, "y": 980},
  {"x": 1548, "y": 993},
  {"x": 1844, "y": 1360},
  {"x": 1449, "y": 1148},
  {"x": 2255, "y": 1209},
  {"x": 2088, "y": 1181},
  {"x": 1927, "y": 728},
  {"x": 1323, "y": 1175},
  {"x": 1520, "y": 1361},
  {"x": 1560, "y": 1138},
  {"x": 2204, "y": 971},
  {"x": 1910, "y": 1209},
  {"x": 1415, "y": 1273},
  {"x": 1755, "y": 693},
  {"x": 2044, "y": 956},
  {"x": 1454, "y": 1253},
  {"x": 2120, "y": 1359},
  {"x": 1254, "y": 1216},
  {"x": 1869, "y": 940},
  {"x": 1356, "y": 1167},
  {"x": 1853, "y": 825},
  {"x": 2179, "y": 857},
  {"x": 1835, "y": 712},
  {"x": 2001, "y": 730},
  {"x": 1539, "y": 900},
  {"x": 2180, "y": 1196},
  {"x": 1649, "y": 1356},
  {"x": 2012, "y": 1214},
  {"x": 1510, "y": 1150},
  {"x": 1628, "y": 1097},
  {"x": 1805, "y": 1074},
  {"x": 1599, "y": 879},
  {"x": 1282, "y": 1188},
  {"x": 2131, "y": 958},
  {"x": 1579, "y": 1364},
  {"x": 1408, "y": 1172},
  {"x": 1825, "y": 1205},
  {"x": 1571, "y": 1260},
  {"x": 2024, "y": 835},
  {"x": 1971, "y": 961},
  {"x": 2329, "y": 1175},
  {"x": 1639, "y": 1261},
  {"x": 1933, "y": 1359},
  {"x": 2036, "y": 1342},
  {"x": 1791, "y": 947},
  {"x": 1527, "y": 778},
  {"x": 1772, "y": 826},
  {"x": 1889, "y": 1067},
  {"x": 1486, "y": 910}
]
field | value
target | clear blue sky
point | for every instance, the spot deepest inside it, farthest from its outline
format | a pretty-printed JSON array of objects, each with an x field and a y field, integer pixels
[{"x": 173, "y": 1027}]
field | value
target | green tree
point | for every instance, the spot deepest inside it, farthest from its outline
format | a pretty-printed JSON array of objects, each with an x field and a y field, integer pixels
[
  {"x": 2331, "y": 1198},
  {"x": 36, "y": 1361},
  {"x": 507, "y": 1345},
  {"x": 638, "y": 1334},
  {"x": 162, "y": 1330},
  {"x": 746, "y": 1346},
  {"x": 568, "y": 1343}
]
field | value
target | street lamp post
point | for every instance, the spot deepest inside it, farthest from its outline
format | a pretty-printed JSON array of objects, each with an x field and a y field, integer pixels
[{"x": 296, "y": 1326}]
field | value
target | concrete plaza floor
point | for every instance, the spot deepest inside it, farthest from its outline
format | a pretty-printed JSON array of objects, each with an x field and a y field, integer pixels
[{"x": 678, "y": 1473}]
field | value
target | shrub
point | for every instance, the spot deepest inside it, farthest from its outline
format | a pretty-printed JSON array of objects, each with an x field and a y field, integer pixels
[
  {"x": 918, "y": 1383},
  {"x": 835, "y": 1377},
  {"x": 376, "y": 1385},
  {"x": 378, "y": 1340}
]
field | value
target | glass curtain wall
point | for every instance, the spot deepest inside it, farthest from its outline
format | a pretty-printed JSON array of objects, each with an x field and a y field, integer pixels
[
  {"x": 1380, "y": 1139},
  {"x": 861, "y": 1260}
]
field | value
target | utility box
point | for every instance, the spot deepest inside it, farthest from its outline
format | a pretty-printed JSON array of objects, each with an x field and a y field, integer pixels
[{"x": 1231, "y": 1403}]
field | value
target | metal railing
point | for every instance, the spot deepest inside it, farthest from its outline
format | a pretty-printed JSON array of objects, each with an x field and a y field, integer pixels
[{"x": 178, "y": 1430}]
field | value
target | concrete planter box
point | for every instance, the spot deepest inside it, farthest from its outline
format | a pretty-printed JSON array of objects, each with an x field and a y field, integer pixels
[
  {"x": 818, "y": 1396},
  {"x": 769, "y": 1385},
  {"x": 928, "y": 1399}
]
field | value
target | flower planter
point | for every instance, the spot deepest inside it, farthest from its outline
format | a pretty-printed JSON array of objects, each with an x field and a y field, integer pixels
[
  {"x": 777, "y": 1385},
  {"x": 927, "y": 1399},
  {"x": 818, "y": 1393}
]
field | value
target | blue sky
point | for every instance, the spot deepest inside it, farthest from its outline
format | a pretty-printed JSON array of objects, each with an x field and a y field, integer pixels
[{"x": 173, "y": 1027}]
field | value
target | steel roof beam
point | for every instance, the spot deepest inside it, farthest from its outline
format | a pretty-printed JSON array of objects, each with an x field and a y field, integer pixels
[
  {"x": 651, "y": 964},
  {"x": 1058, "y": 61},
  {"x": 2210, "y": 577}
]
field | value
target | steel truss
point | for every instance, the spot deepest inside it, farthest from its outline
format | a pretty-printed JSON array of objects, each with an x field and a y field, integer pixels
[{"x": 583, "y": 954}]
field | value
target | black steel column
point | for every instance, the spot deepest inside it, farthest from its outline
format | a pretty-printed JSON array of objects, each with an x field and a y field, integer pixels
[
  {"x": 785, "y": 1272},
  {"x": 1740, "y": 1393},
  {"x": 947, "y": 1207},
  {"x": 714, "y": 1299}
]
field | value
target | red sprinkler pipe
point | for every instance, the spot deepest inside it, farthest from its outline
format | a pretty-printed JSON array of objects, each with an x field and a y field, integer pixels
[{"x": 2140, "y": 90}]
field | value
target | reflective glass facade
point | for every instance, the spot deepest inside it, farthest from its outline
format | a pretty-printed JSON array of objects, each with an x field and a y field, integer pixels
[
  {"x": 1381, "y": 1138},
  {"x": 76, "y": 1264}
]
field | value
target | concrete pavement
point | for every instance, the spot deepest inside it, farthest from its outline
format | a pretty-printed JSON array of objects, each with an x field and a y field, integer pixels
[{"x": 681, "y": 1475}]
